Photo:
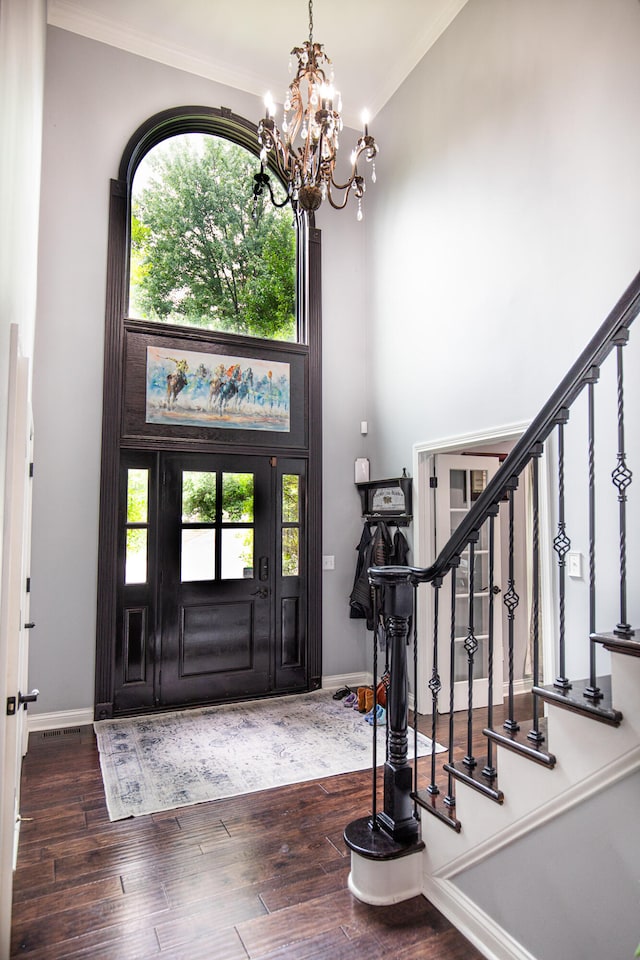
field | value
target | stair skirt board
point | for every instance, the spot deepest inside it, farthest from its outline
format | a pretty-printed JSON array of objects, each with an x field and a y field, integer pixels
[{"x": 476, "y": 925}]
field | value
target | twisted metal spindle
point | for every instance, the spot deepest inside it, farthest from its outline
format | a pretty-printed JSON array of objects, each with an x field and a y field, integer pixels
[
  {"x": 535, "y": 734},
  {"x": 593, "y": 691},
  {"x": 471, "y": 647},
  {"x": 489, "y": 769},
  {"x": 415, "y": 701},
  {"x": 450, "y": 799},
  {"x": 511, "y": 601},
  {"x": 434, "y": 686},
  {"x": 562, "y": 545},
  {"x": 621, "y": 478}
]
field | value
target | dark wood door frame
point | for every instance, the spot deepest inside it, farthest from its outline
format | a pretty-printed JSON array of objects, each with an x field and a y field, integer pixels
[{"x": 207, "y": 120}]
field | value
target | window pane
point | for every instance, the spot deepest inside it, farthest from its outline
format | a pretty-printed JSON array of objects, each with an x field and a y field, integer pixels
[
  {"x": 290, "y": 551},
  {"x": 458, "y": 488},
  {"x": 237, "y": 554},
  {"x": 197, "y": 256},
  {"x": 198, "y": 557},
  {"x": 137, "y": 496},
  {"x": 198, "y": 497},
  {"x": 290, "y": 498},
  {"x": 237, "y": 497},
  {"x": 135, "y": 567}
]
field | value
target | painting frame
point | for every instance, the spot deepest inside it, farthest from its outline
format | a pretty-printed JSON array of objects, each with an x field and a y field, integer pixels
[{"x": 267, "y": 409}]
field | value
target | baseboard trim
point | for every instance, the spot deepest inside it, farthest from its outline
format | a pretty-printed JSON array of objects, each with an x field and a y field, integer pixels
[
  {"x": 37, "y": 722},
  {"x": 346, "y": 680},
  {"x": 477, "y": 926}
]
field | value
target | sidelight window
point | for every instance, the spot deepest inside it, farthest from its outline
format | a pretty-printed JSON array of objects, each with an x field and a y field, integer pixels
[
  {"x": 290, "y": 525},
  {"x": 137, "y": 527}
]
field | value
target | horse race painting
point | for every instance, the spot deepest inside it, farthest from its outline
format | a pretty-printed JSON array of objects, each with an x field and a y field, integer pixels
[{"x": 216, "y": 390}]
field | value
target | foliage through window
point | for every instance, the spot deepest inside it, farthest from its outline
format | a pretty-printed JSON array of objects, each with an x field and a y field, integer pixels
[{"x": 198, "y": 258}]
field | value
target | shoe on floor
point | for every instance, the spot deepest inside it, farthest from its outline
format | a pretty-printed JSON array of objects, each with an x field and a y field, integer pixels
[
  {"x": 381, "y": 715},
  {"x": 350, "y": 700},
  {"x": 341, "y": 693}
]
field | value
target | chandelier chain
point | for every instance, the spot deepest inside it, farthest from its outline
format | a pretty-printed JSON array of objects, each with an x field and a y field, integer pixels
[{"x": 311, "y": 23}]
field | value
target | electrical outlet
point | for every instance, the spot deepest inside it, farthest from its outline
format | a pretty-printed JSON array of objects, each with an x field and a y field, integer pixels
[{"x": 328, "y": 563}]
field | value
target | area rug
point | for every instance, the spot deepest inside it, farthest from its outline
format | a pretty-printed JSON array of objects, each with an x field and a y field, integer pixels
[{"x": 169, "y": 760}]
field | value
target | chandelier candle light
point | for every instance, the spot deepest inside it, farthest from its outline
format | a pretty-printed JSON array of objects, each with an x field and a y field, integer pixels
[{"x": 304, "y": 153}]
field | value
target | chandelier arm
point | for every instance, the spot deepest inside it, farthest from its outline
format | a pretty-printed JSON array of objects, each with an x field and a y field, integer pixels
[{"x": 337, "y": 206}]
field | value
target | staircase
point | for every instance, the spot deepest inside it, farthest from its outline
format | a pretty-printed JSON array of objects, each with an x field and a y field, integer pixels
[{"x": 533, "y": 849}]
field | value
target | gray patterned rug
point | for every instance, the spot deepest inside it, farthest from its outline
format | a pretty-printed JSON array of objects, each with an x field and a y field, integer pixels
[{"x": 169, "y": 760}]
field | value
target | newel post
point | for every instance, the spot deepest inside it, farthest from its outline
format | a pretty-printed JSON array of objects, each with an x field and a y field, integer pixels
[
  {"x": 398, "y": 817},
  {"x": 381, "y": 844}
]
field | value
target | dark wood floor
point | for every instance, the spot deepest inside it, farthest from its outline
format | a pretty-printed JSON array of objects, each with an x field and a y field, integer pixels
[{"x": 259, "y": 876}]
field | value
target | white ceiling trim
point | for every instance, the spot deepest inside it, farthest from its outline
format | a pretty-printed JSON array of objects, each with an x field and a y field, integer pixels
[{"x": 67, "y": 16}]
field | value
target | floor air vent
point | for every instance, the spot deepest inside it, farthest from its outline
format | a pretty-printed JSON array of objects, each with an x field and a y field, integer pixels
[{"x": 64, "y": 732}]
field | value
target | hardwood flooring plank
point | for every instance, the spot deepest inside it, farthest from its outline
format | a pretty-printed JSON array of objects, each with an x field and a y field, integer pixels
[
  {"x": 288, "y": 893},
  {"x": 36, "y": 908},
  {"x": 205, "y": 924},
  {"x": 332, "y": 945},
  {"x": 63, "y": 926}
]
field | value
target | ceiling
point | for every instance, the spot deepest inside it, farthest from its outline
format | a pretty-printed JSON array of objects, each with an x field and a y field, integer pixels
[{"x": 374, "y": 44}]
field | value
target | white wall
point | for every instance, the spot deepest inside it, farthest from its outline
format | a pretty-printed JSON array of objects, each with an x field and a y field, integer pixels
[
  {"x": 96, "y": 97},
  {"x": 504, "y": 222}
]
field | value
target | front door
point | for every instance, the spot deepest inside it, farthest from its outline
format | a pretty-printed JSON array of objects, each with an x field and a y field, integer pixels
[{"x": 212, "y": 598}]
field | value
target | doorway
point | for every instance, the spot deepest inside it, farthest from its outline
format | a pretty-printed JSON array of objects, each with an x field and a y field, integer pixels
[
  {"x": 498, "y": 440},
  {"x": 212, "y": 593}
]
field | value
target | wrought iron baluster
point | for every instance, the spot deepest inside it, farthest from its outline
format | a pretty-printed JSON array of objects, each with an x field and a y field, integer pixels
[
  {"x": 562, "y": 545},
  {"x": 621, "y": 478},
  {"x": 377, "y": 610},
  {"x": 593, "y": 692},
  {"x": 450, "y": 799},
  {"x": 511, "y": 601},
  {"x": 434, "y": 686},
  {"x": 471, "y": 647},
  {"x": 415, "y": 700},
  {"x": 534, "y": 734},
  {"x": 489, "y": 770}
]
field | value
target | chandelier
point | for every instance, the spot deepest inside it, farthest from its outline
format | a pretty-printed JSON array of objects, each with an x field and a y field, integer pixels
[{"x": 304, "y": 152}]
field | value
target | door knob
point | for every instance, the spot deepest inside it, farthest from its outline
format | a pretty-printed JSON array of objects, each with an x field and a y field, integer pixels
[
  {"x": 262, "y": 593},
  {"x": 29, "y": 626}
]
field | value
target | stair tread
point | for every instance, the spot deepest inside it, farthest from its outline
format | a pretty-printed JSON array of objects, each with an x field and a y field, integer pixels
[
  {"x": 519, "y": 742},
  {"x": 436, "y": 806},
  {"x": 574, "y": 699},
  {"x": 616, "y": 644},
  {"x": 475, "y": 778}
]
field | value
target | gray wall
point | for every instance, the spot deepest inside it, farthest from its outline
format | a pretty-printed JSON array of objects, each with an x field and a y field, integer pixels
[
  {"x": 504, "y": 224},
  {"x": 571, "y": 889},
  {"x": 96, "y": 97}
]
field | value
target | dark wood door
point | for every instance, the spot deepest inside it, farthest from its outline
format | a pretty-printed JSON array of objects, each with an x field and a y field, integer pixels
[{"x": 217, "y": 578}]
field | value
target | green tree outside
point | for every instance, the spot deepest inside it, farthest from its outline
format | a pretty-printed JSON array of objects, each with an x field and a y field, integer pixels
[{"x": 198, "y": 257}]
